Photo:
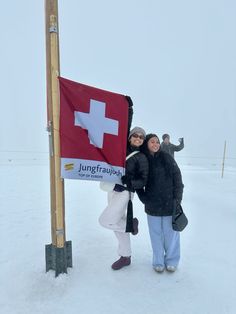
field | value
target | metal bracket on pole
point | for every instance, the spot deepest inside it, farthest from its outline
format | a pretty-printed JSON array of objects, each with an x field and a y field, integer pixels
[
  {"x": 49, "y": 130},
  {"x": 53, "y": 24},
  {"x": 60, "y": 232},
  {"x": 53, "y": 29},
  {"x": 58, "y": 259}
]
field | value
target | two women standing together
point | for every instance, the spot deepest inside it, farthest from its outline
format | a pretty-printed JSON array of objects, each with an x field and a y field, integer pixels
[{"x": 156, "y": 178}]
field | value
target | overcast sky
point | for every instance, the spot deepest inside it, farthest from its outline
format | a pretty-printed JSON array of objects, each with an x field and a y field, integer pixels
[{"x": 176, "y": 59}]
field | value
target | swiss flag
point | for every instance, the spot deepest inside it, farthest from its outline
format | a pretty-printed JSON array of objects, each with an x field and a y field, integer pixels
[{"x": 93, "y": 132}]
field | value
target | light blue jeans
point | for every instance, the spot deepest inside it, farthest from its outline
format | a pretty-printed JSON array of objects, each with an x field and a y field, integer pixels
[{"x": 165, "y": 241}]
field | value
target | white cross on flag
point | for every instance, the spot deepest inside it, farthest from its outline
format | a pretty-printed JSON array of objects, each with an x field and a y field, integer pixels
[{"x": 93, "y": 132}]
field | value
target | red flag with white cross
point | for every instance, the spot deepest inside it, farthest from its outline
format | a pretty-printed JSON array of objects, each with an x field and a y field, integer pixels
[{"x": 93, "y": 132}]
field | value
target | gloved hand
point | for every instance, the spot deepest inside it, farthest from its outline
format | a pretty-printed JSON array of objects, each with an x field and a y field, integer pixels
[
  {"x": 129, "y": 101},
  {"x": 119, "y": 188},
  {"x": 141, "y": 195},
  {"x": 181, "y": 139},
  {"x": 126, "y": 180}
]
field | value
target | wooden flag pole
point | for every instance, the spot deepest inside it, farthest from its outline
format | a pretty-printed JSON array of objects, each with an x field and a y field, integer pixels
[
  {"x": 223, "y": 162},
  {"x": 59, "y": 253}
]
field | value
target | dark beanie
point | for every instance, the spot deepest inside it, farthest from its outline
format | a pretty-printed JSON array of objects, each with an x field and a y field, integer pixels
[{"x": 165, "y": 136}]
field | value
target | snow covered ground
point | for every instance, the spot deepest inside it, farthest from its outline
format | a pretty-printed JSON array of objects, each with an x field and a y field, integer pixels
[{"x": 204, "y": 283}]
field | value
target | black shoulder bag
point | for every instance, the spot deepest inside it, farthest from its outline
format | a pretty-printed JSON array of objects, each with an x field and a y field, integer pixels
[{"x": 179, "y": 219}]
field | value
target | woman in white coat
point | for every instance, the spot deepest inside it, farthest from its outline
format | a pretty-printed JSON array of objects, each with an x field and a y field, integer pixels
[{"x": 114, "y": 217}]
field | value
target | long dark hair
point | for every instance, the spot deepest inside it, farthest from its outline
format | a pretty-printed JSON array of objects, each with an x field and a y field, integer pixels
[{"x": 161, "y": 155}]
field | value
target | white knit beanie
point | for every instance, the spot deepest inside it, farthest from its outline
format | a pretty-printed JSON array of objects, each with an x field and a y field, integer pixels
[{"x": 137, "y": 129}]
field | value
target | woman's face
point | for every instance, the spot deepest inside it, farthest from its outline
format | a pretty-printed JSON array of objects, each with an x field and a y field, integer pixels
[
  {"x": 153, "y": 145},
  {"x": 136, "y": 139}
]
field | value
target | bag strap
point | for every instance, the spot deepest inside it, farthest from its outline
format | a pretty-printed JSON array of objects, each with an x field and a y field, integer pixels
[
  {"x": 129, "y": 156},
  {"x": 132, "y": 154}
]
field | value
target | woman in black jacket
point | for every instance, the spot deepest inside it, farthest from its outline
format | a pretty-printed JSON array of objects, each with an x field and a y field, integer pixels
[{"x": 163, "y": 189}]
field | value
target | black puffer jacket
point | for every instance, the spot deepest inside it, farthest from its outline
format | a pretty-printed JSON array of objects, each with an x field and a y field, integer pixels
[
  {"x": 136, "y": 169},
  {"x": 163, "y": 187}
]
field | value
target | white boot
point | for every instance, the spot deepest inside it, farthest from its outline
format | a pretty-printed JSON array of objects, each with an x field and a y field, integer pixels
[
  {"x": 159, "y": 268},
  {"x": 171, "y": 268}
]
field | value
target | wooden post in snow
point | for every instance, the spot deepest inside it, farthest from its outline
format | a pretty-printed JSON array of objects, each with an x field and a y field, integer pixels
[
  {"x": 59, "y": 253},
  {"x": 223, "y": 162}
]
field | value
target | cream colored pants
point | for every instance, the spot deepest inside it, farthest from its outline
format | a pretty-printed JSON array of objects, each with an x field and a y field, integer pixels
[{"x": 114, "y": 217}]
